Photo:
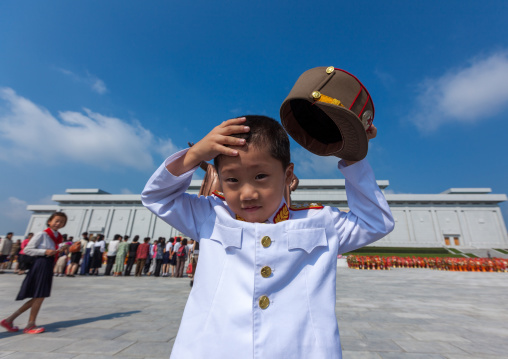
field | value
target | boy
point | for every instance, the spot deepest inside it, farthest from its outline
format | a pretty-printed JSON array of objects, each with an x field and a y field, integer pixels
[{"x": 265, "y": 287}]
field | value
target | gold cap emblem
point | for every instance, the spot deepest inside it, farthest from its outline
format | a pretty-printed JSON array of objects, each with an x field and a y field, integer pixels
[
  {"x": 316, "y": 94},
  {"x": 330, "y": 69}
]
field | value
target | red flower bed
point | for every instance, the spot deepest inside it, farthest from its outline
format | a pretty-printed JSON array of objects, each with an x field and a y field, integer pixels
[{"x": 439, "y": 263}]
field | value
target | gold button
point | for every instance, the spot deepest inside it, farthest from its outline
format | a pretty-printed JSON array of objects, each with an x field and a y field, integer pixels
[
  {"x": 266, "y": 271},
  {"x": 330, "y": 69},
  {"x": 266, "y": 241},
  {"x": 316, "y": 94},
  {"x": 264, "y": 302}
]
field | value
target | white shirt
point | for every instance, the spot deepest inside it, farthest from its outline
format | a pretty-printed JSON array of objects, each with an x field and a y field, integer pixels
[
  {"x": 113, "y": 248},
  {"x": 99, "y": 246},
  {"x": 223, "y": 309},
  {"x": 39, "y": 243}
]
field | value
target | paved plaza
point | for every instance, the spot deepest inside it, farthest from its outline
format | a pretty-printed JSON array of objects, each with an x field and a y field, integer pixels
[{"x": 401, "y": 313}]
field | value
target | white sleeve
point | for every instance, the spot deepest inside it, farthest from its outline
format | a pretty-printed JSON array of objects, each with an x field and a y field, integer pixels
[
  {"x": 31, "y": 248},
  {"x": 369, "y": 218},
  {"x": 164, "y": 195}
]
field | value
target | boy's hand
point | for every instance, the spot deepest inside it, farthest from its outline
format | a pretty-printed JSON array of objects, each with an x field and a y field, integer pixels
[
  {"x": 371, "y": 133},
  {"x": 213, "y": 144}
]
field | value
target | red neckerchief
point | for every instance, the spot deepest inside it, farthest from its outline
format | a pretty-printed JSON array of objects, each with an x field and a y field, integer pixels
[{"x": 56, "y": 240}]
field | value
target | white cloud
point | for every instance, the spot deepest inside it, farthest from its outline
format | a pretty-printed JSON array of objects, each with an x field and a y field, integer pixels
[
  {"x": 309, "y": 165},
  {"x": 469, "y": 94},
  {"x": 95, "y": 83},
  {"x": 98, "y": 86},
  {"x": 386, "y": 79},
  {"x": 165, "y": 147},
  {"x": 29, "y": 132},
  {"x": 13, "y": 215},
  {"x": 13, "y": 207}
]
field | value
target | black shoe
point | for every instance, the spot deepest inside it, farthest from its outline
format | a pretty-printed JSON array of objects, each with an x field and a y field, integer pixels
[{"x": 191, "y": 283}]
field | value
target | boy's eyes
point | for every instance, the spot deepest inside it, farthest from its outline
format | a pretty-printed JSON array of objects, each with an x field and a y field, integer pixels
[{"x": 258, "y": 177}]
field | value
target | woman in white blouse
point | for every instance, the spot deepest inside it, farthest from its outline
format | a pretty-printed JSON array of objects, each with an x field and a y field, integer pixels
[
  {"x": 98, "y": 249},
  {"x": 37, "y": 284}
]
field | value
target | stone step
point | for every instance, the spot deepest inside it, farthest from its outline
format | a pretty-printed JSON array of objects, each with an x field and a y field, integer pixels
[{"x": 484, "y": 253}]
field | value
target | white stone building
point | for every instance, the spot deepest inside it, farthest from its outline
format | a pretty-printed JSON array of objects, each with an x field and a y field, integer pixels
[{"x": 458, "y": 217}]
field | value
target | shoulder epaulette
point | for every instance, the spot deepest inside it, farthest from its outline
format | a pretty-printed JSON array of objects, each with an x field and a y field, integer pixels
[
  {"x": 219, "y": 194},
  {"x": 301, "y": 207}
]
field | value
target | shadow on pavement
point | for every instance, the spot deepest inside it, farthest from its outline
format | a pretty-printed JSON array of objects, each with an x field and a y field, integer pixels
[{"x": 55, "y": 327}]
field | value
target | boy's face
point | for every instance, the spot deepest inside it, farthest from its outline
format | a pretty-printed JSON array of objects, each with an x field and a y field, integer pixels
[{"x": 253, "y": 182}]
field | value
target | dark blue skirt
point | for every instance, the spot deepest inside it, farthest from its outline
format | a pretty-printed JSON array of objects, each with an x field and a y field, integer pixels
[
  {"x": 37, "y": 283},
  {"x": 165, "y": 258}
]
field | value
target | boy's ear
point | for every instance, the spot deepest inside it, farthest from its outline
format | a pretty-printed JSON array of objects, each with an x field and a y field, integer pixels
[{"x": 289, "y": 174}]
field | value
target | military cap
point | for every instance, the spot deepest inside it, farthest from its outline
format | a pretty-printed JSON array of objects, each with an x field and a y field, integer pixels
[{"x": 328, "y": 112}]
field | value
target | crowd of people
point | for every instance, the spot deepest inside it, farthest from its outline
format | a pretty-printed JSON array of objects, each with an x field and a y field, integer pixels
[{"x": 91, "y": 255}]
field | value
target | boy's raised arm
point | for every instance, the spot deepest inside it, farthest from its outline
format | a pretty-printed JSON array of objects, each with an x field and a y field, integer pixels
[
  {"x": 369, "y": 218},
  {"x": 215, "y": 143}
]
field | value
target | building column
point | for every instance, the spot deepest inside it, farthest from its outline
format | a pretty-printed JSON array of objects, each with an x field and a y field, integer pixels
[
  {"x": 503, "y": 235},
  {"x": 410, "y": 227},
  {"x": 437, "y": 227},
  {"x": 464, "y": 226}
]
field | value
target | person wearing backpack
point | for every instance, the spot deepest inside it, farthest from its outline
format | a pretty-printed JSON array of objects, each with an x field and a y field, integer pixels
[{"x": 181, "y": 256}]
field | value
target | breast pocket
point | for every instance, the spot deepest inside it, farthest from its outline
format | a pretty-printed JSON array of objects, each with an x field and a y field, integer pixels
[
  {"x": 227, "y": 236},
  {"x": 307, "y": 239}
]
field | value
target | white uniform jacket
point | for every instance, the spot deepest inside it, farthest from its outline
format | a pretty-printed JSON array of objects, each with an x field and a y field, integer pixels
[{"x": 223, "y": 317}]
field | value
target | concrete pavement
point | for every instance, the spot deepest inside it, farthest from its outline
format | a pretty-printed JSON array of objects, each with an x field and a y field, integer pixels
[{"x": 401, "y": 313}]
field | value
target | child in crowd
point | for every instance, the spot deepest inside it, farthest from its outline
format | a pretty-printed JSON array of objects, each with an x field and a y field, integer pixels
[
  {"x": 265, "y": 286},
  {"x": 37, "y": 284}
]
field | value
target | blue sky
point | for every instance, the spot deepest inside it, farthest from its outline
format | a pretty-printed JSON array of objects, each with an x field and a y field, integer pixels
[{"x": 95, "y": 94}]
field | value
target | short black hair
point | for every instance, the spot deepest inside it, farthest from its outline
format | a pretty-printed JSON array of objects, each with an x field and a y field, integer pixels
[{"x": 267, "y": 133}]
